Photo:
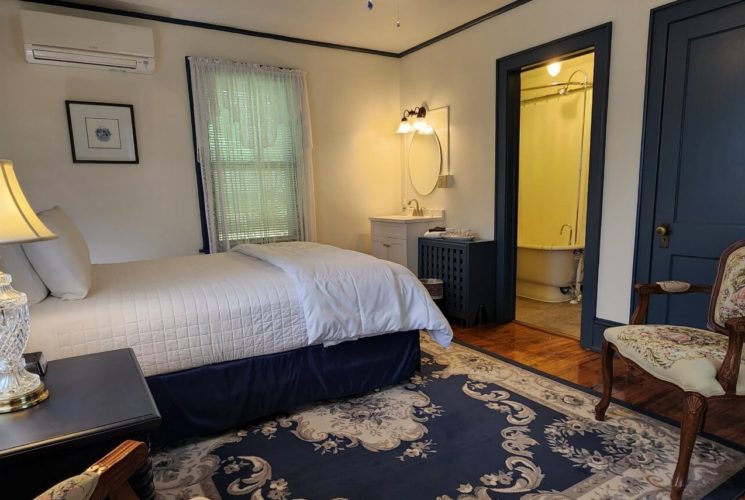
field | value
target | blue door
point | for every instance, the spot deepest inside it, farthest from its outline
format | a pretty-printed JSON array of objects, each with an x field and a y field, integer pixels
[{"x": 699, "y": 205}]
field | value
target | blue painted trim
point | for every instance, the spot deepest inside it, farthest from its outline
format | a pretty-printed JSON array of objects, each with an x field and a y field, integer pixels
[
  {"x": 283, "y": 38},
  {"x": 507, "y": 144},
  {"x": 661, "y": 19},
  {"x": 598, "y": 328},
  {"x": 501, "y": 10},
  {"x": 210, "y": 26},
  {"x": 200, "y": 185}
]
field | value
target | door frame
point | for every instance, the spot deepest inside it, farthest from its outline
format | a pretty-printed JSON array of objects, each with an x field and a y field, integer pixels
[
  {"x": 507, "y": 166},
  {"x": 661, "y": 19}
]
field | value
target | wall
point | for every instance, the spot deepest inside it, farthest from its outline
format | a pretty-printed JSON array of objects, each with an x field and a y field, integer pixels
[
  {"x": 151, "y": 209},
  {"x": 460, "y": 72},
  {"x": 554, "y": 140}
]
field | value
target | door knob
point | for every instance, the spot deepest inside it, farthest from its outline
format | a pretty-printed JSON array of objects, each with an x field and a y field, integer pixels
[{"x": 663, "y": 231}]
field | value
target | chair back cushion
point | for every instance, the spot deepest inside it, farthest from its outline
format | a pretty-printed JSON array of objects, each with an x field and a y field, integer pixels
[{"x": 730, "y": 287}]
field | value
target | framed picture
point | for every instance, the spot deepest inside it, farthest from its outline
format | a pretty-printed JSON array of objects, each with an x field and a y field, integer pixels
[{"x": 101, "y": 132}]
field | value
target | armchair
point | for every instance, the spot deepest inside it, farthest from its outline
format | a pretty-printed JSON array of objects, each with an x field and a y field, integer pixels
[
  {"x": 107, "y": 478},
  {"x": 703, "y": 364}
]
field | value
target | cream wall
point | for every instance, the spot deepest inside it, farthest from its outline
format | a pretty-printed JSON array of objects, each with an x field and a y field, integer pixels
[
  {"x": 460, "y": 72},
  {"x": 151, "y": 209}
]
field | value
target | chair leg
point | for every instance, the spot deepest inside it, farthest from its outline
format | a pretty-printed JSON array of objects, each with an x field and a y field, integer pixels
[
  {"x": 694, "y": 409},
  {"x": 606, "y": 360}
]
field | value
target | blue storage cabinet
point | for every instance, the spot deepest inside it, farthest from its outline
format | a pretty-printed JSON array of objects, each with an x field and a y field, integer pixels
[{"x": 468, "y": 273}]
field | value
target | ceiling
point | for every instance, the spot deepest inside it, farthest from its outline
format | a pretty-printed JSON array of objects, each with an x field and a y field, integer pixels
[{"x": 346, "y": 22}]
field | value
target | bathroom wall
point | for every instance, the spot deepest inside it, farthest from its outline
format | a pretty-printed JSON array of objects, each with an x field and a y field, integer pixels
[
  {"x": 554, "y": 161},
  {"x": 151, "y": 210}
]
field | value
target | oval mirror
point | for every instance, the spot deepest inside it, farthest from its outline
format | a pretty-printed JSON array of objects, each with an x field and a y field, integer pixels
[{"x": 425, "y": 161}]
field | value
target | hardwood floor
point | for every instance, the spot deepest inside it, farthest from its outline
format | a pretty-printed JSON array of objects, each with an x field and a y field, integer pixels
[
  {"x": 564, "y": 358},
  {"x": 563, "y": 318}
]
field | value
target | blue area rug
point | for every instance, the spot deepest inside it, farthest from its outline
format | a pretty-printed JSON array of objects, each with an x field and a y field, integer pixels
[{"x": 470, "y": 426}]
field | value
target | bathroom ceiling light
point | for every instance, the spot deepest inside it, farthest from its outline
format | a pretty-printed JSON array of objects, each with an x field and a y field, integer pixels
[
  {"x": 554, "y": 68},
  {"x": 420, "y": 124}
]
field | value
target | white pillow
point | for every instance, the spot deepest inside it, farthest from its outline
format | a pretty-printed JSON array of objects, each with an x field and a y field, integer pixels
[
  {"x": 63, "y": 264},
  {"x": 14, "y": 262}
]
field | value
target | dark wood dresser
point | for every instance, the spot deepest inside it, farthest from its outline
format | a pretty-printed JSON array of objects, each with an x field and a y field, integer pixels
[{"x": 468, "y": 273}]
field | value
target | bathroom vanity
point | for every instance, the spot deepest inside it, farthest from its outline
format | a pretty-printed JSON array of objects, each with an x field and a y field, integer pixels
[{"x": 395, "y": 237}]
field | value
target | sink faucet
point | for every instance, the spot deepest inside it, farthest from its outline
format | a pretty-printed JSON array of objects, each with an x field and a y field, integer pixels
[
  {"x": 418, "y": 212},
  {"x": 570, "y": 231}
]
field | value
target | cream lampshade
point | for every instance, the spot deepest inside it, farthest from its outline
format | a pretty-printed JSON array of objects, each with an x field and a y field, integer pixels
[
  {"x": 20, "y": 223},
  {"x": 19, "y": 389}
]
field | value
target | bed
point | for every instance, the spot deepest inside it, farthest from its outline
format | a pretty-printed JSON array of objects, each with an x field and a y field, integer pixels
[{"x": 226, "y": 338}]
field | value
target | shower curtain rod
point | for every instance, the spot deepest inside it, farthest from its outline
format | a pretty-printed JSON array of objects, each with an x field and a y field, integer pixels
[
  {"x": 556, "y": 84},
  {"x": 549, "y": 96}
]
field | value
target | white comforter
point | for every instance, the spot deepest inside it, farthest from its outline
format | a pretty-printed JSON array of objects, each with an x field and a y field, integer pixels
[
  {"x": 348, "y": 295},
  {"x": 183, "y": 312}
]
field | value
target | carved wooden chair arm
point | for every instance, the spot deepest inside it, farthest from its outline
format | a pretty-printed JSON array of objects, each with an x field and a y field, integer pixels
[
  {"x": 116, "y": 468},
  {"x": 730, "y": 369},
  {"x": 644, "y": 290}
]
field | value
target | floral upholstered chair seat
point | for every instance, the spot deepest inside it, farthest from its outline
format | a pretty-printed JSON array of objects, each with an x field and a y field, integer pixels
[{"x": 687, "y": 357}]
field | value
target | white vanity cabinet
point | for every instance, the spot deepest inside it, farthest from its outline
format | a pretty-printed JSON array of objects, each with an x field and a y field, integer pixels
[{"x": 395, "y": 237}]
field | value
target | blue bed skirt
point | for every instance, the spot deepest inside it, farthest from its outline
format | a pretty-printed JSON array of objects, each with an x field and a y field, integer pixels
[{"x": 217, "y": 397}]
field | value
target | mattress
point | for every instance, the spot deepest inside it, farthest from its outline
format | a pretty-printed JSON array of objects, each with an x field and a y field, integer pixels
[{"x": 176, "y": 313}]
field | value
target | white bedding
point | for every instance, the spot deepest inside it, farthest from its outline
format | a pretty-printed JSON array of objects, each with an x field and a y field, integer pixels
[
  {"x": 183, "y": 312},
  {"x": 176, "y": 313},
  {"x": 349, "y": 295}
]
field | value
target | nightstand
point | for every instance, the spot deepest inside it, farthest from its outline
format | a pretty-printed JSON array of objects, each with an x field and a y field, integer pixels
[{"x": 95, "y": 402}]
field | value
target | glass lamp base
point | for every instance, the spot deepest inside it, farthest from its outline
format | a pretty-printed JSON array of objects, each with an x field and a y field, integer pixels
[
  {"x": 26, "y": 400},
  {"x": 19, "y": 388}
]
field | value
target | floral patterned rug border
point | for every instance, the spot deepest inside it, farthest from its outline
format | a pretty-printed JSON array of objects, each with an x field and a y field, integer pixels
[
  {"x": 593, "y": 392},
  {"x": 471, "y": 425}
]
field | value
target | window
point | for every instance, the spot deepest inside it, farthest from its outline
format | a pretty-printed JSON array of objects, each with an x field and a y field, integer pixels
[{"x": 253, "y": 142}]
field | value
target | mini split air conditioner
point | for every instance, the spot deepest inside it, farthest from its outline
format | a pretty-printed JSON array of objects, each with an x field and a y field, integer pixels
[{"x": 87, "y": 43}]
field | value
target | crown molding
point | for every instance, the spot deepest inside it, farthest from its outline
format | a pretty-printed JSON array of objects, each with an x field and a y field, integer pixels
[{"x": 282, "y": 38}]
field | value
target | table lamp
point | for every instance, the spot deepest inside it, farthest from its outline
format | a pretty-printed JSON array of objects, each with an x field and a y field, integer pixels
[{"x": 19, "y": 389}]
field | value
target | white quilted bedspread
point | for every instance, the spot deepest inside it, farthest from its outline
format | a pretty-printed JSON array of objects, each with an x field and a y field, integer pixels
[
  {"x": 183, "y": 312},
  {"x": 176, "y": 313}
]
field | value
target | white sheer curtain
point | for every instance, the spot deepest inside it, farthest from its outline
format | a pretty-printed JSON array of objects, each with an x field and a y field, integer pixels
[{"x": 254, "y": 146}]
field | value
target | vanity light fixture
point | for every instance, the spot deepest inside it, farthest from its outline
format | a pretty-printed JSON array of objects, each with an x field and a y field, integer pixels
[{"x": 419, "y": 124}]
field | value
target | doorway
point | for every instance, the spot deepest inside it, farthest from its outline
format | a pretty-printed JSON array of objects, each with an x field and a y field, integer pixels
[
  {"x": 540, "y": 118},
  {"x": 553, "y": 165}
]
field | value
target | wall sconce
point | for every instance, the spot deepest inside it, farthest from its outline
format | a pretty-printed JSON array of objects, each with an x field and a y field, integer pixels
[{"x": 419, "y": 124}]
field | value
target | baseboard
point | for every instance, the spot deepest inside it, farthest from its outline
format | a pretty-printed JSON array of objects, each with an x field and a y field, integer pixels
[{"x": 598, "y": 327}]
